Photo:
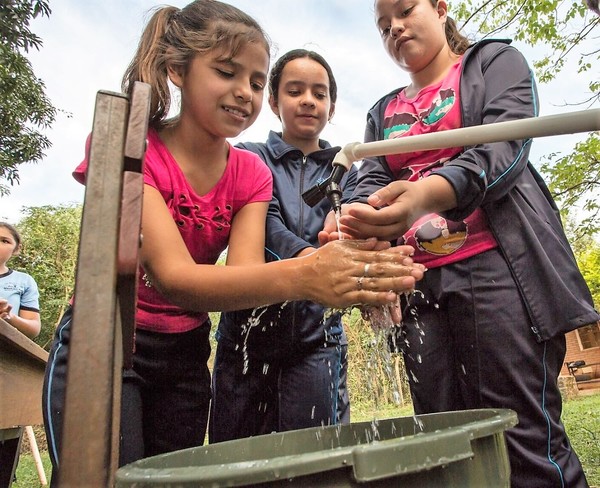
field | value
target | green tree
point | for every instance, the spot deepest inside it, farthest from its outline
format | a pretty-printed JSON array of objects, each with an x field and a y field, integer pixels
[
  {"x": 50, "y": 236},
  {"x": 574, "y": 182},
  {"x": 560, "y": 26},
  {"x": 24, "y": 107},
  {"x": 567, "y": 30},
  {"x": 589, "y": 263}
]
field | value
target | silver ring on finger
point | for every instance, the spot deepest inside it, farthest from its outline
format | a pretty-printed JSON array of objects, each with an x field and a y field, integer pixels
[{"x": 366, "y": 271}]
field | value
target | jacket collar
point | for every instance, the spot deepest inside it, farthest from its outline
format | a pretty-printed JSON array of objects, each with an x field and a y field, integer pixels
[{"x": 281, "y": 150}]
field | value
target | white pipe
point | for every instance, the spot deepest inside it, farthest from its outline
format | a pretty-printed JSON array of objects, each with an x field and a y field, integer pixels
[{"x": 549, "y": 125}]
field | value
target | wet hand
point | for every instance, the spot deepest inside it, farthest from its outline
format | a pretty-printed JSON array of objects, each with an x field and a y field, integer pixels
[{"x": 350, "y": 272}]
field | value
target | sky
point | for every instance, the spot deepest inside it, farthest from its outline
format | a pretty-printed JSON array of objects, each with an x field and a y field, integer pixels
[{"x": 87, "y": 46}]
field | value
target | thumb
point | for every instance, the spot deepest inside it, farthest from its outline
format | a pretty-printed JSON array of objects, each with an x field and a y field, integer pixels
[{"x": 381, "y": 197}]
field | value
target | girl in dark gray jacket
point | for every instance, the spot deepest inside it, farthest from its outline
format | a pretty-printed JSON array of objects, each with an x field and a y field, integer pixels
[{"x": 486, "y": 326}]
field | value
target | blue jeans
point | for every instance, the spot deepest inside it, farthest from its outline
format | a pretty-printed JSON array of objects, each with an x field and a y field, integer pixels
[
  {"x": 291, "y": 388},
  {"x": 165, "y": 397}
]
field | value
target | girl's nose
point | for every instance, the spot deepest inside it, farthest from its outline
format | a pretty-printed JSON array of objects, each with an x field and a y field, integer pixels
[
  {"x": 397, "y": 29},
  {"x": 308, "y": 101},
  {"x": 244, "y": 93}
]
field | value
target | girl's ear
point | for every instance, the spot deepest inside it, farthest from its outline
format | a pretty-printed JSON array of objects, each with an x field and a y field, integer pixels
[
  {"x": 175, "y": 75},
  {"x": 442, "y": 9},
  {"x": 274, "y": 106},
  {"x": 331, "y": 112}
]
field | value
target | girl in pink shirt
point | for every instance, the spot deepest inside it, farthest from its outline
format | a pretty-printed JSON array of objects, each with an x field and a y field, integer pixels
[{"x": 202, "y": 196}]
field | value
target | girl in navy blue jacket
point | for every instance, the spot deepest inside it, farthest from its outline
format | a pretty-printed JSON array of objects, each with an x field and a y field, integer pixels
[
  {"x": 281, "y": 368},
  {"x": 486, "y": 327}
]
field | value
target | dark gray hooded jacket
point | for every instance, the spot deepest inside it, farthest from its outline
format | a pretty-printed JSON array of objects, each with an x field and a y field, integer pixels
[{"x": 497, "y": 85}]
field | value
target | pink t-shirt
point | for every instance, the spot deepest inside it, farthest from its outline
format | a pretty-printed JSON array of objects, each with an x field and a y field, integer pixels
[
  {"x": 437, "y": 241},
  {"x": 204, "y": 221}
]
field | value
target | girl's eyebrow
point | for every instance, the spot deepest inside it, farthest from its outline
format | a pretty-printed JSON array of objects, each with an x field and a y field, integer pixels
[
  {"x": 396, "y": 3},
  {"x": 313, "y": 85},
  {"x": 235, "y": 64}
]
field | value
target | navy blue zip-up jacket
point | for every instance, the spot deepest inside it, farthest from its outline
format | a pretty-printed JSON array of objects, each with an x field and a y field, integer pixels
[
  {"x": 497, "y": 85},
  {"x": 292, "y": 225}
]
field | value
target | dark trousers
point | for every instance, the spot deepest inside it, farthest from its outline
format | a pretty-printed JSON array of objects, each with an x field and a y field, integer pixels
[
  {"x": 257, "y": 394},
  {"x": 467, "y": 343},
  {"x": 165, "y": 397}
]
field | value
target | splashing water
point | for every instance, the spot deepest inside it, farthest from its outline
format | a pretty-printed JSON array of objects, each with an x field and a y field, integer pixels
[
  {"x": 254, "y": 321},
  {"x": 338, "y": 214}
]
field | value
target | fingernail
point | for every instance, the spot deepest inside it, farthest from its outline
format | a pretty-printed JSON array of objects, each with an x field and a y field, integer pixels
[{"x": 375, "y": 200}]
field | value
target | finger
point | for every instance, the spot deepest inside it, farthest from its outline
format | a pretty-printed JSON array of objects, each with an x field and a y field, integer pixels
[
  {"x": 383, "y": 216},
  {"x": 396, "y": 311},
  {"x": 357, "y": 244},
  {"x": 383, "y": 245},
  {"x": 359, "y": 228},
  {"x": 389, "y": 262},
  {"x": 387, "y": 194},
  {"x": 405, "y": 249},
  {"x": 384, "y": 276},
  {"x": 323, "y": 237},
  {"x": 367, "y": 299}
]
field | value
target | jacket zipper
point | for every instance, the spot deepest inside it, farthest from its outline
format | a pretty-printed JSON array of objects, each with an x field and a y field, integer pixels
[{"x": 299, "y": 232}]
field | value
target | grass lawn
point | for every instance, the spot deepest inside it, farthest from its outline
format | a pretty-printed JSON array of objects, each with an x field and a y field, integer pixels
[{"x": 581, "y": 417}]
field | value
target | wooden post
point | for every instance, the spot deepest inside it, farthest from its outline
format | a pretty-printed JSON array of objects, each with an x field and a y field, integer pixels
[{"x": 104, "y": 302}]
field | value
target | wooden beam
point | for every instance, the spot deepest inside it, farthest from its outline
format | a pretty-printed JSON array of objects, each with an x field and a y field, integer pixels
[{"x": 87, "y": 457}]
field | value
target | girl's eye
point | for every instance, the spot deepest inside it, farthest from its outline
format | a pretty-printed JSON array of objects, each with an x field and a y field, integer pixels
[
  {"x": 321, "y": 96},
  {"x": 384, "y": 31},
  {"x": 293, "y": 93},
  {"x": 257, "y": 87},
  {"x": 406, "y": 12},
  {"x": 225, "y": 74}
]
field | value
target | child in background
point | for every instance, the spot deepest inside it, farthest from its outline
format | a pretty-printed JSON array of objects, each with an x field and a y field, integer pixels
[
  {"x": 485, "y": 327},
  {"x": 200, "y": 196},
  {"x": 281, "y": 368},
  {"x": 19, "y": 295}
]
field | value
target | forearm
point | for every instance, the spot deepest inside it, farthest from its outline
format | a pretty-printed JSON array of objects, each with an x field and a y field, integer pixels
[
  {"x": 439, "y": 194},
  {"x": 328, "y": 276},
  {"x": 29, "y": 327},
  {"x": 225, "y": 288}
]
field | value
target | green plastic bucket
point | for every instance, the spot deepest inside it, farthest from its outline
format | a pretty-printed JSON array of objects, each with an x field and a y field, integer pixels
[{"x": 449, "y": 449}]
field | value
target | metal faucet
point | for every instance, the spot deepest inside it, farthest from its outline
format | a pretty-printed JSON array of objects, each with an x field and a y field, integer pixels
[{"x": 330, "y": 187}]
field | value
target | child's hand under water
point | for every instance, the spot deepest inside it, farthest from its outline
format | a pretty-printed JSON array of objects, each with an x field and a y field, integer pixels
[
  {"x": 383, "y": 317},
  {"x": 351, "y": 272}
]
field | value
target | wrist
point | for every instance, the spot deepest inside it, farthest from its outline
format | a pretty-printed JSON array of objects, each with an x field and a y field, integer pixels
[
  {"x": 438, "y": 194},
  {"x": 300, "y": 268}
]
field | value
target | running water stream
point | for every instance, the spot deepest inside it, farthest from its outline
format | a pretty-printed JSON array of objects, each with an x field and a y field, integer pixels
[{"x": 382, "y": 368}]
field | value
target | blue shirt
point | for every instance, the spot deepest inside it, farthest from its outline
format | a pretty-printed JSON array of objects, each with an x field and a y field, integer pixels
[{"x": 20, "y": 290}]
